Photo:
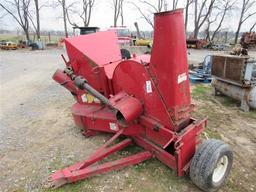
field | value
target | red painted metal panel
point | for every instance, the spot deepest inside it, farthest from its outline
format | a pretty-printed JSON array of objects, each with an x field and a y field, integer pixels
[
  {"x": 71, "y": 175},
  {"x": 129, "y": 108},
  {"x": 87, "y": 57},
  {"x": 100, "y": 48},
  {"x": 157, "y": 152},
  {"x": 132, "y": 77},
  {"x": 98, "y": 118},
  {"x": 169, "y": 61},
  {"x": 185, "y": 145},
  {"x": 156, "y": 132},
  {"x": 65, "y": 81},
  {"x": 110, "y": 166},
  {"x": 109, "y": 69},
  {"x": 104, "y": 153}
]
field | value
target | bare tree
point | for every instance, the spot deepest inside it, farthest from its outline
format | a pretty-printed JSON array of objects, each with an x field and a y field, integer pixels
[
  {"x": 188, "y": 3},
  {"x": 118, "y": 8},
  {"x": 211, "y": 19},
  {"x": 221, "y": 9},
  {"x": 36, "y": 24},
  {"x": 34, "y": 16},
  {"x": 64, "y": 12},
  {"x": 87, "y": 11},
  {"x": 37, "y": 19},
  {"x": 149, "y": 9},
  {"x": 71, "y": 9},
  {"x": 19, "y": 10},
  {"x": 2, "y": 15},
  {"x": 252, "y": 27},
  {"x": 202, "y": 10},
  {"x": 144, "y": 15},
  {"x": 224, "y": 7},
  {"x": 62, "y": 3},
  {"x": 174, "y": 4},
  {"x": 156, "y": 8},
  {"x": 246, "y": 12},
  {"x": 84, "y": 14},
  {"x": 122, "y": 14}
]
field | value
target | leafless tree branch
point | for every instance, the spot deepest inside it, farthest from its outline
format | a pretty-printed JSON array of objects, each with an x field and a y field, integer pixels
[
  {"x": 118, "y": 10},
  {"x": 224, "y": 7},
  {"x": 19, "y": 11},
  {"x": 188, "y": 3},
  {"x": 252, "y": 27},
  {"x": 205, "y": 9},
  {"x": 246, "y": 13},
  {"x": 144, "y": 16}
]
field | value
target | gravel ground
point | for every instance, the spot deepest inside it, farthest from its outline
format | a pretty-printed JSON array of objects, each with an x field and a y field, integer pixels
[{"x": 38, "y": 136}]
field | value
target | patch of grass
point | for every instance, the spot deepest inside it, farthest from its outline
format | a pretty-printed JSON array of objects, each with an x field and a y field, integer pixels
[
  {"x": 201, "y": 91},
  {"x": 231, "y": 186},
  {"x": 17, "y": 38},
  {"x": 74, "y": 187},
  {"x": 19, "y": 190},
  {"x": 231, "y": 183},
  {"x": 131, "y": 149},
  {"x": 251, "y": 114},
  {"x": 83, "y": 185},
  {"x": 227, "y": 101},
  {"x": 142, "y": 166},
  {"x": 211, "y": 133},
  {"x": 59, "y": 164},
  {"x": 156, "y": 170},
  {"x": 128, "y": 181}
]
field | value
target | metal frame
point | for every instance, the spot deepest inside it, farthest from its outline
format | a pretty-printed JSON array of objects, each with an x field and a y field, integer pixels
[{"x": 86, "y": 169}]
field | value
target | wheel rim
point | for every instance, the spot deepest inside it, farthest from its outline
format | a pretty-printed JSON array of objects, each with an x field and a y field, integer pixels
[{"x": 220, "y": 169}]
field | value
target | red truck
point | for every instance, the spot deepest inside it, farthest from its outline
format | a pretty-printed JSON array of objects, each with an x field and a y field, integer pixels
[{"x": 123, "y": 34}]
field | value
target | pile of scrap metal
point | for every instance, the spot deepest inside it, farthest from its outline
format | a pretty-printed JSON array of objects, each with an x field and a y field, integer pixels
[
  {"x": 196, "y": 43},
  {"x": 248, "y": 39},
  {"x": 235, "y": 77},
  {"x": 217, "y": 47},
  {"x": 202, "y": 73},
  {"x": 38, "y": 45},
  {"x": 239, "y": 50}
]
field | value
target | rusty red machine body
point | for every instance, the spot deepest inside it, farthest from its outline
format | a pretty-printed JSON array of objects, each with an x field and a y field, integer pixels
[{"x": 146, "y": 98}]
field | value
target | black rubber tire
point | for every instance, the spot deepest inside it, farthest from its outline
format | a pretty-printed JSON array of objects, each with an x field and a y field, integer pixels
[
  {"x": 125, "y": 54},
  {"x": 205, "y": 161}
]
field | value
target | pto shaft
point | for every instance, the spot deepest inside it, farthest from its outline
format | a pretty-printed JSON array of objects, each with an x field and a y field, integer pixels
[{"x": 82, "y": 84}]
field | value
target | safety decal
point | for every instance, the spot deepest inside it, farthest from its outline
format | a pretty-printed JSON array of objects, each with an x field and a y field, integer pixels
[
  {"x": 182, "y": 77},
  {"x": 113, "y": 126},
  {"x": 148, "y": 87}
]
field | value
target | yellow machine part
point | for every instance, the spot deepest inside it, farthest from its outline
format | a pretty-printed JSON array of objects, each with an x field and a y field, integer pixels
[
  {"x": 90, "y": 98},
  {"x": 143, "y": 42}
]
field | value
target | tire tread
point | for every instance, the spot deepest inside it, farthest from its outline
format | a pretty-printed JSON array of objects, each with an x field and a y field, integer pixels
[{"x": 204, "y": 162}]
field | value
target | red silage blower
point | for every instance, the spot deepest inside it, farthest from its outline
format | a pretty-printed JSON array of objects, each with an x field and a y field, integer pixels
[{"x": 146, "y": 99}]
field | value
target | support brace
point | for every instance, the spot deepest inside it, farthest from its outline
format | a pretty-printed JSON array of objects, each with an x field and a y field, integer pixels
[{"x": 85, "y": 169}]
